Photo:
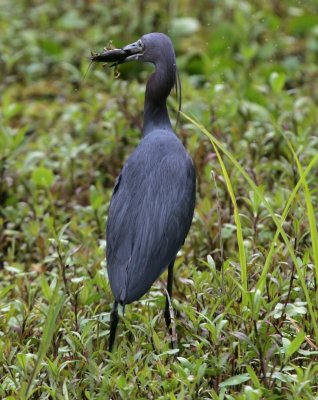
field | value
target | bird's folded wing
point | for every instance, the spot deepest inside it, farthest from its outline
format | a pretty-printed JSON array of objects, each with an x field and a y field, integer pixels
[{"x": 147, "y": 224}]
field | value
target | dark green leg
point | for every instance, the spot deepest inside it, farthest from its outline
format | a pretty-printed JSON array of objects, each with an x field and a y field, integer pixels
[
  {"x": 169, "y": 290},
  {"x": 113, "y": 325}
]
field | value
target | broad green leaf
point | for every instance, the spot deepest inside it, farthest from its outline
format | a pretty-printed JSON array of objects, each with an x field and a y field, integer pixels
[
  {"x": 43, "y": 176},
  {"x": 95, "y": 197},
  {"x": 277, "y": 81},
  {"x": 235, "y": 380},
  {"x": 295, "y": 344},
  {"x": 253, "y": 376},
  {"x": 184, "y": 26}
]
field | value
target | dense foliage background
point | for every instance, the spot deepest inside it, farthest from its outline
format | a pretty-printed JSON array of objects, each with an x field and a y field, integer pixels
[{"x": 245, "y": 295}]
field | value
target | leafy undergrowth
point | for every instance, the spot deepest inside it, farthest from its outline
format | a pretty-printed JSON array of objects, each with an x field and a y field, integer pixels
[{"x": 245, "y": 291}]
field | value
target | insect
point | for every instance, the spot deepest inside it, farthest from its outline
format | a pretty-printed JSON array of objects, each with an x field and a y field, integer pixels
[{"x": 109, "y": 55}]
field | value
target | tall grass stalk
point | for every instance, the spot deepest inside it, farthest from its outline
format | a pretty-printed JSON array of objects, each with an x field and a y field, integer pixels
[
  {"x": 239, "y": 233},
  {"x": 278, "y": 222},
  {"x": 57, "y": 300},
  {"x": 310, "y": 212}
]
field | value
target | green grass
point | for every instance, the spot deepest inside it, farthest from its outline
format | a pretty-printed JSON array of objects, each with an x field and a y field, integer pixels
[{"x": 245, "y": 294}]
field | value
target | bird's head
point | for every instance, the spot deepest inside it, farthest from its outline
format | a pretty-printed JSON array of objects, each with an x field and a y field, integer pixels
[
  {"x": 157, "y": 49},
  {"x": 151, "y": 47}
]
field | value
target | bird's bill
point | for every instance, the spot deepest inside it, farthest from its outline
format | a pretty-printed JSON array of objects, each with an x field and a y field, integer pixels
[
  {"x": 130, "y": 52},
  {"x": 134, "y": 50}
]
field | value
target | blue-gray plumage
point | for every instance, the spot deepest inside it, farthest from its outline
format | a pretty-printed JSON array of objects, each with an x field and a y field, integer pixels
[{"x": 153, "y": 200}]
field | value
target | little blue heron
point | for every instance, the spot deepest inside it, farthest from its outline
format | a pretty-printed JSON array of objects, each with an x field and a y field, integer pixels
[{"x": 153, "y": 200}]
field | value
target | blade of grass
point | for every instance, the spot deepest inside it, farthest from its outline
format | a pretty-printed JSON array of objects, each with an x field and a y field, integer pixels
[
  {"x": 49, "y": 329},
  {"x": 310, "y": 212},
  {"x": 239, "y": 233},
  {"x": 277, "y": 222},
  {"x": 261, "y": 282}
]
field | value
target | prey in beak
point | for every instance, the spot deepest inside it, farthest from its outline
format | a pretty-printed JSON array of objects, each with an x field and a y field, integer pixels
[{"x": 131, "y": 52}]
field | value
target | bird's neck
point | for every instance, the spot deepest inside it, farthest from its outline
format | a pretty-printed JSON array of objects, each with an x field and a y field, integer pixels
[{"x": 158, "y": 89}]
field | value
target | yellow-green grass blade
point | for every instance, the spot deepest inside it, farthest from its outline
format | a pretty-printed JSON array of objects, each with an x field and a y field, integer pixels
[
  {"x": 310, "y": 212},
  {"x": 239, "y": 232},
  {"x": 57, "y": 300},
  {"x": 277, "y": 222},
  {"x": 261, "y": 282}
]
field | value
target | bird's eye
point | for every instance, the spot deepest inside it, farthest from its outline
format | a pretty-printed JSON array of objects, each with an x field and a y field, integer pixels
[{"x": 140, "y": 44}]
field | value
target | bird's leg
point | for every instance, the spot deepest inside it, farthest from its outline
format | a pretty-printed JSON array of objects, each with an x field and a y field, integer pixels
[
  {"x": 169, "y": 315},
  {"x": 113, "y": 325},
  {"x": 169, "y": 295}
]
